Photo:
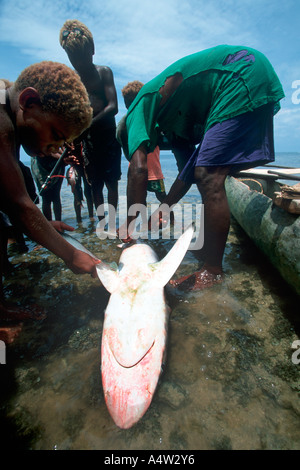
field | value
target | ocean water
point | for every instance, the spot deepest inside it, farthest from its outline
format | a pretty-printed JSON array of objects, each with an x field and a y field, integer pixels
[{"x": 229, "y": 381}]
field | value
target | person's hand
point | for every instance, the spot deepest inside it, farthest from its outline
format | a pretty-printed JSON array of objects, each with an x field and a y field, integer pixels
[
  {"x": 73, "y": 156},
  {"x": 61, "y": 226},
  {"x": 159, "y": 219},
  {"x": 72, "y": 160},
  {"x": 82, "y": 263}
]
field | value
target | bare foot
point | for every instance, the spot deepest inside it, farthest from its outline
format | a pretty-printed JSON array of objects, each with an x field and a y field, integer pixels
[
  {"x": 10, "y": 333},
  {"x": 10, "y": 312},
  {"x": 198, "y": 280}
]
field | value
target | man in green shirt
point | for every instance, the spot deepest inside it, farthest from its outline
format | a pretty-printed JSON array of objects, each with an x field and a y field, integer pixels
[{"x": 223, "y": 99}]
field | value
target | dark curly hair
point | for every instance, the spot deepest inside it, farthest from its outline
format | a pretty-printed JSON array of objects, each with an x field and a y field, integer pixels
[
  {"x": 61, "y": 92},
  {"x": 130, "y": 91}
]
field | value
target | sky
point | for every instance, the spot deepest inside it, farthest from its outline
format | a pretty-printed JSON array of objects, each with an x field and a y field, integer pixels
[{"x": 138, "y": 39}]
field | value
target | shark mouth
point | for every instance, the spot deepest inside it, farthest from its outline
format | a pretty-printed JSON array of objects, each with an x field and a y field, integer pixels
[{"x": 135, "y": 363}]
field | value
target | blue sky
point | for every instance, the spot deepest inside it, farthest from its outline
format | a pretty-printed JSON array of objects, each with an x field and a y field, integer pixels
[{"x": 139, "y": 38}]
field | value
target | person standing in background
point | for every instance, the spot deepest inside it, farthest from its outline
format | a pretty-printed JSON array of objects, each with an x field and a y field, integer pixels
[
  {"x": 155, "y": 174},
  {"x": 41, "y": 168},
  {"x": 102, "y": 152}
]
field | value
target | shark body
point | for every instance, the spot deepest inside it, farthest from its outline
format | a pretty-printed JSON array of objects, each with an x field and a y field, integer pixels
[
  {"x": 135, "y": 328},
  {"x": 135, "y": 325}
]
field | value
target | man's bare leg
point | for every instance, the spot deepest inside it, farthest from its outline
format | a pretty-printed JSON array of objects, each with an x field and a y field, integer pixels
[{"x": 210, "y": 182}]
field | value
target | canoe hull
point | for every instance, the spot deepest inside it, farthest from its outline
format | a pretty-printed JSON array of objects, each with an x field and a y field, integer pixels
[{"x": 275, "y": 232}]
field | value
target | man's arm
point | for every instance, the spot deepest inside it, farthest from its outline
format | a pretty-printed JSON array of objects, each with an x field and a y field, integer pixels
[
  {"x": 111, "y": 109},
  {"x": 16, "y": 202},
  {"x": 137, "y": 183}
]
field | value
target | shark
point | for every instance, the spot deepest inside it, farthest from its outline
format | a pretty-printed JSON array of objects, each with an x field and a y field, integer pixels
[{"x": 134, "y": 336}]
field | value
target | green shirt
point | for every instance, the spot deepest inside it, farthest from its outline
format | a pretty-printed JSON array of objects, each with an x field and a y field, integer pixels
[{"x": 213, "y": 90}]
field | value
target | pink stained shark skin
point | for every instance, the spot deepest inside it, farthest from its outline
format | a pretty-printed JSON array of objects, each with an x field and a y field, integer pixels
[{"x": 135, "y": 327}]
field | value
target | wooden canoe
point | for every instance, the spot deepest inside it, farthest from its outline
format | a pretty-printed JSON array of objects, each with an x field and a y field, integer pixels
[{"x": 274, "y": 231}]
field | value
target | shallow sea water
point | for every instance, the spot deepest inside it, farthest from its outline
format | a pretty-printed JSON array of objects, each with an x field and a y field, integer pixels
[{"x": 228, "y": 383}]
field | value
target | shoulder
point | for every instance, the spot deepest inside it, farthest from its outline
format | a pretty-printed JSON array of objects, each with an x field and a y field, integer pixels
[
  {"x": 105, "y": 72},
  {"x": 103, "y": 69}
]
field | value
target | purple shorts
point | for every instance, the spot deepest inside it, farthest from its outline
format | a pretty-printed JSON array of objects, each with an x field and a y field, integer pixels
[{"x": 241, "y": 142}]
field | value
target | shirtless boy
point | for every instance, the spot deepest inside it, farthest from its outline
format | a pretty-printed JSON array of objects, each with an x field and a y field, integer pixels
[
  {"x": 101, "y": 150},
  {"x": 46, "y": 107}
]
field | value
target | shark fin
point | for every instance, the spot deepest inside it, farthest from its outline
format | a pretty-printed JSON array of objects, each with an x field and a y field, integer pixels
[
  {"x": 165, "y": 268},
  {"x": 107, "y": 272},
  {"x": 108, "y": 275}
]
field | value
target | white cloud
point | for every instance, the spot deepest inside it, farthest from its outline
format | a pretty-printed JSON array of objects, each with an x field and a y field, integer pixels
[
  {"x": 136, "y": 38},
  {"x": 139, "y": 38},
  {"x": 287, "y": 122}
]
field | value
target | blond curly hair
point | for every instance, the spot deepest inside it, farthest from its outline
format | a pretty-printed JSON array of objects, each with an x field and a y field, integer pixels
[
  {"x": 75, "y": 36},
  {"x": 130, "y": 91},
  {"x": 61, "y": 92}
]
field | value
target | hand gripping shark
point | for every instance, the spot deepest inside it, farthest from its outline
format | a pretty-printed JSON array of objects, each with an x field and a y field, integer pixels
[{"x": 135, "y": 327}]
